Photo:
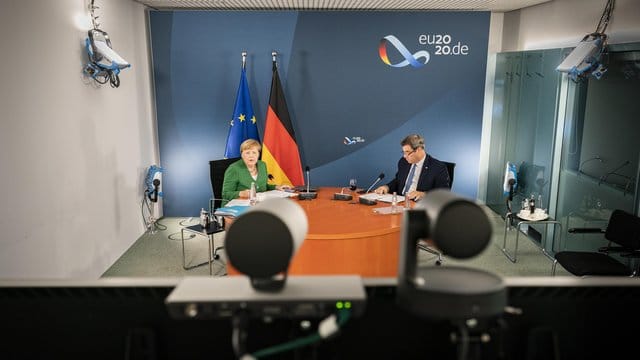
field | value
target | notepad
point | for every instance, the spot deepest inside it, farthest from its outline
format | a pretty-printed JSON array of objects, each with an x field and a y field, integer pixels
[
  {"x": 275, "y": 194},
  {"x": 388, "y": 198}
]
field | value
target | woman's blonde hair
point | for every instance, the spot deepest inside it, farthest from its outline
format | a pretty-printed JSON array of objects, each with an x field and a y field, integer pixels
[{"x": 250, "y": 143}]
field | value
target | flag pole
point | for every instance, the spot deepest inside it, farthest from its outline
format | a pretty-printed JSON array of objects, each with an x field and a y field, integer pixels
[
  {"x": 244, "y": 59},
  {"x": 273, "y": 57}
]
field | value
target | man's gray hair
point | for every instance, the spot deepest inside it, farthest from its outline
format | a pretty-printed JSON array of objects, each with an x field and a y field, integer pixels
[{"x": 413, "y": 140}]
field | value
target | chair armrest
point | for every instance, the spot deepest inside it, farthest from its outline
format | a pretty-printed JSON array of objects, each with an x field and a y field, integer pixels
[
  {"x": 632, "y": 254},
  {"x": 587, "y": 231},
  {"x": 614, "y": 249}
]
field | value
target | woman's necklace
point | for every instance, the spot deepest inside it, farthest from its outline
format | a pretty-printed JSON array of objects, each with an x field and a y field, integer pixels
[{"x": 253, "y": 171}]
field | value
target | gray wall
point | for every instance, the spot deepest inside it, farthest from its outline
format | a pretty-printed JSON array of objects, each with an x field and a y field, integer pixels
[
  {"x": 563, "y": 23},
  {"x": 73, "y": 155}
]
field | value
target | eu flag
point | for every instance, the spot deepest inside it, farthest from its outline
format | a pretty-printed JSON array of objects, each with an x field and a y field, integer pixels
[{"x": 243, "y": 124}]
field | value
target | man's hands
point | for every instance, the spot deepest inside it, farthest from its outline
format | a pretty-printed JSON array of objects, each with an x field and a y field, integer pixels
[
  {"x": 415, "y": 195},
  {"x": 382, "y": 189}
]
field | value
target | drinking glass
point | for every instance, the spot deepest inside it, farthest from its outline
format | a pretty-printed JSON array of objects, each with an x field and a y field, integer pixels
[{"x": 353, "y": 184}]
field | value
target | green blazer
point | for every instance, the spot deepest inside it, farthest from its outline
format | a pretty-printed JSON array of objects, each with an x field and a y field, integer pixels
[{"x": 238, "y": 178}]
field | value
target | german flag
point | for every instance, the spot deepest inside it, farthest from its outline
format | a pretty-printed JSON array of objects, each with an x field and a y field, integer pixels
[{"x": 279, "y": 148}]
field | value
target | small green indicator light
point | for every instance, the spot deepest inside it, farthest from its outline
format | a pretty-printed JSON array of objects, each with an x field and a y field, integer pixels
[
  {"x": 347, "y": 305},
  {"x": 339, "y": 305}
]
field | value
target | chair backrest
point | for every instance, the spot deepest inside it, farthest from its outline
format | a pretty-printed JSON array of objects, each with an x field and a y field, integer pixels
[
  {"x": 624, "y": 229},
  {"x": 450, "y": 167},
  {"x": 216, "y": 172}
]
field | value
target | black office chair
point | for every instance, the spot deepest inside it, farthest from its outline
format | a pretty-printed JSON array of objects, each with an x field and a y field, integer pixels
[
  {"x": 216, "y": 173},
  {"x": 623, "y": 233},
  {"x": 422, "y": 245},
  {"x": 450, "y": 167}
]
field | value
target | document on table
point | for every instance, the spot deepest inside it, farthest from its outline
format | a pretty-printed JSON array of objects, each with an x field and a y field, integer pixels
[
  {"x": 384, "y": 198},
  {"x": 275, "y": 194},
  {"x": 236, "y": 207},
  {"x": 238, "y": 202}
]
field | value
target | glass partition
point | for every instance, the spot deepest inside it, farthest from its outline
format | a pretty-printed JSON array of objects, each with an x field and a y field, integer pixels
[
  {"x": 599, "y": 167},
  {"x": 598, "y": 154},
  {"x": 523, "y": 125}
]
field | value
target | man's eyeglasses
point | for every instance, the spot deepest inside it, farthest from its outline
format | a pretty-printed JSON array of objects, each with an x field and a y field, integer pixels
[{"x": 405, "y": 154}]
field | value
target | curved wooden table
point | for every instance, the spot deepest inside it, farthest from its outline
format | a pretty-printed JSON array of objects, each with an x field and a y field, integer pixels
[{"x": 346, "y": 237}]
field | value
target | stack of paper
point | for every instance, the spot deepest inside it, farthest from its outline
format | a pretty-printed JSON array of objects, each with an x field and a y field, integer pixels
[
  {"x": 275, "y": 194},
  {"x": 384, "y": 198},
  {"x": 233, "y": 210},
  {"x": 236, "y": 207}
]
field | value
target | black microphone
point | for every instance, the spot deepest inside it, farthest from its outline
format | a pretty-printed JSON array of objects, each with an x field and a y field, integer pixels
[
  {"x": 154, "y": 195},
  {"x": 380, "y": 177},
  {"x": 307, "y": 195}
]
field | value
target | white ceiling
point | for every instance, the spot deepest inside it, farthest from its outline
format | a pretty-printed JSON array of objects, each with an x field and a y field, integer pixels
[{"x": 362, "y": 5}]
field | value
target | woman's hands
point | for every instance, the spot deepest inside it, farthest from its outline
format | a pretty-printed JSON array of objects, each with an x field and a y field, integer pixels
[{"x": 244, "y": 194}]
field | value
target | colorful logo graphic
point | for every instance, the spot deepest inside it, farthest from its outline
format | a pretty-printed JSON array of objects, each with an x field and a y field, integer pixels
[
  {"x": 352, "y": 140},
  {"x": 409, "y": 58}
]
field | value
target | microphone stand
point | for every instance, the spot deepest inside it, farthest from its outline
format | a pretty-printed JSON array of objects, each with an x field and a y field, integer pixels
[
  {"x": 307, "y": 195},
  {"x": 372, "y": 185}
]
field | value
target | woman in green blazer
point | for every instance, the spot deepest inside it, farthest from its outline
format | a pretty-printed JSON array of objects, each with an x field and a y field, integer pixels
[{"x": 239, "y": 175}]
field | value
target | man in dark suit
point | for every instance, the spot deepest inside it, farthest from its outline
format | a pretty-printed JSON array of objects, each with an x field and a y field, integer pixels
[{"x": 418, "y": 172}]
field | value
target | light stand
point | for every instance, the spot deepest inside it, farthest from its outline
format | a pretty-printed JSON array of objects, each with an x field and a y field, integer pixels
[
  {"x": 150, "y": 197},
  {"x": 509, "y": 187},
  {"x": 150, "y": 221},
  {"x": 509, "y": 201},
  {"x": 152, "y": 228}
]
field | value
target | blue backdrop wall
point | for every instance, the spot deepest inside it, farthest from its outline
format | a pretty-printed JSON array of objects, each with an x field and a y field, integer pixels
[{"x": 337, "y": 86}]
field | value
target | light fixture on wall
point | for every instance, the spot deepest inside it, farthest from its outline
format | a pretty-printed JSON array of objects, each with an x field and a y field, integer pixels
[
  {"x": 104, "y": 63},
  {"x": 585, "y": 59}
]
